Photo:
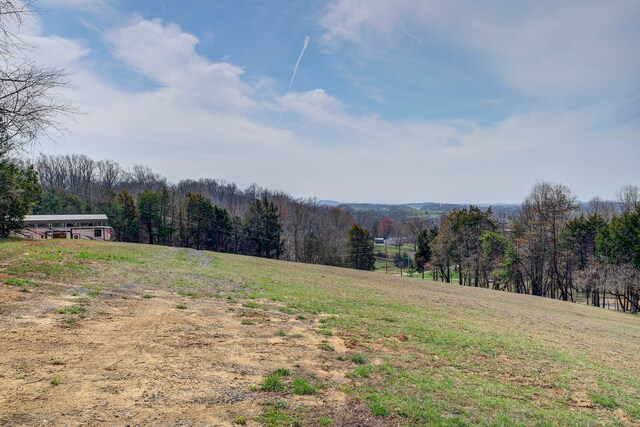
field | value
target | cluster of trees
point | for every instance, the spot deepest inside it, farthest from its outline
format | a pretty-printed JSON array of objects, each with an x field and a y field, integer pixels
[
  {"x": 204, "y": 214},
  {"x": 551, "y": 249}
]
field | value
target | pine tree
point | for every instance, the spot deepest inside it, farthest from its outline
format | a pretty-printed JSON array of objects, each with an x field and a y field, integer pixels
[
  {"x": 360, "y": 248},
  {"x": 125, "y": 218},
  {"x": 262, "y": 230}
]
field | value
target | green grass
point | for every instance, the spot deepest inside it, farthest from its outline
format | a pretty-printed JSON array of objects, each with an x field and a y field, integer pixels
[
  {"x": 190, "y": 294},
  {"x": 275, "y": 417},
  {"x": 282, "y": 372},
  {"x": 15, "y": 282},
  {"x": 272, "y": 383},
  {"x": 437, "y": 354},
  {"x": 279, "y": 404},
  {"x": 254, "y": 305},
  {"x": 56, "y": 381},
  {"x": 71, "y": 310},
  {"x": 358, "y": 359},
  {"x": 303, "y": 387},
  {"x": 604, "y": 401},
  {"x": 326, "y": 347},
  {"x": 240, "y": 420},
  {"x": 148, "y": 296},
  {"x": 100, "y": 256},
  {"x": 362, "y": 372},
  {"x": 280, "y": 333},
  {"x": 287, "y": 310},
  {"x": 181, "y": 306}
]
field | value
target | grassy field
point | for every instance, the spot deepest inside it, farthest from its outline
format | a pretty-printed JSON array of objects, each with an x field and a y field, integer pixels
[{"x": 100, "y": 334}]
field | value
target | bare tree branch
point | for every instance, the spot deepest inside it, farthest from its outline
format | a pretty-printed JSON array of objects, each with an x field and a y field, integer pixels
[{"x": 31, "y": 106}]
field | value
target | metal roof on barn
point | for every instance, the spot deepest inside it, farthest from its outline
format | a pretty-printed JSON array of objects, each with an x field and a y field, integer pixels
[{"x": 65, "y": 218}]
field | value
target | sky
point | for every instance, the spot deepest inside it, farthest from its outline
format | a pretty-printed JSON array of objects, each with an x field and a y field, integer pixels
[{"x": 459, "y": 101}]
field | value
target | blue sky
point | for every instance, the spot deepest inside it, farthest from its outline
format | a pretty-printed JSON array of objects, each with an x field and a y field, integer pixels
[{"x": 457, "y": 101}]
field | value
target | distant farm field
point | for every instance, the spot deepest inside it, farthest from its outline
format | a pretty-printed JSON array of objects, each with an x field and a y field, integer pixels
[{"x": 115, "y": 334}]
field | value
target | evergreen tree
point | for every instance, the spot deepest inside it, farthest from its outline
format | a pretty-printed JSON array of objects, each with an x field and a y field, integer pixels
[
  {"x": 124, "y": 218},
  {"x": 205, "y": 226},
  {"x": 149, "y": 208},
  {"x": 312, "y": 249},
  {"x": 360, "y": 248},
  {"x": 423, "y": 250},
  {"x": 59, "y": 202},
  {"x": 19, "y": 191},
  {"x": 222, "y": 230},
  {"x": 262, "y": 230},
  {"x": 196, "y": 224},
  {"x": 167, "y": 213},
  {"x": 619, "y": 243}
]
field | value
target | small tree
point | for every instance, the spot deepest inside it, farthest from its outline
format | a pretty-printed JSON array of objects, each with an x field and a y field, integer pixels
[
  {"x": 360, "y": 247},
  {"x": 402, "y": 261},
  {"x": 423, "y": 250},
  {"x": 19, "y": 191}
]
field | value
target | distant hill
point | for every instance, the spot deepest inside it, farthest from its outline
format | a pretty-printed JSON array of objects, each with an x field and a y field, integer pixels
[
  {"x": 331, "y": 203},
  {"x": 431, "y": 207}
]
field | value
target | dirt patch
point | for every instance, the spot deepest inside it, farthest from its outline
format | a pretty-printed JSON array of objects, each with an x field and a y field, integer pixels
[{"x": 134, "y": 360}]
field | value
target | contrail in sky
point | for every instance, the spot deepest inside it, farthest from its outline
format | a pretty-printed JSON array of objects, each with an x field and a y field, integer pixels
[{"x": 295, "y": 71}]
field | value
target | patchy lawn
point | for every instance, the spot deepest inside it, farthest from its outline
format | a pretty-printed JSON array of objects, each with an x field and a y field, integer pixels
[{"x": 102, "y": 333}]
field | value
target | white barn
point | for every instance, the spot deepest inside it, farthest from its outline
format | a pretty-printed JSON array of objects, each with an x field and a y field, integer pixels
[{"x": 86, "y": 227}]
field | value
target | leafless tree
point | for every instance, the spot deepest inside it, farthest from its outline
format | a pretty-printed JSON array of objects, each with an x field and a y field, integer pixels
[
  {"x": 110, "y": 175},
  {"x": 414, "y": 225},
  {"x": 628, "y": 197},
  {"x": 542, "y": 218},
  {"x": 30, "y": 104},
  {"x": 604, "y": 208}
]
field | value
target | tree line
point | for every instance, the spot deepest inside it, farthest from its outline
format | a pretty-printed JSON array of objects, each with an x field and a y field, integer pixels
[
  {"x": 551, "y": 249},
  {"x": 208, "y": 214}
]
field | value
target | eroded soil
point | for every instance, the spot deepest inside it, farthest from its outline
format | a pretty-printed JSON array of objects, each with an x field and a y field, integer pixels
[{"x": 132, "y": 357}]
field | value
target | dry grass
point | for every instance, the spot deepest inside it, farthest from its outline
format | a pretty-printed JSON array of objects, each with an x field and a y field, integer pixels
[{"x": 431, "y": 353}]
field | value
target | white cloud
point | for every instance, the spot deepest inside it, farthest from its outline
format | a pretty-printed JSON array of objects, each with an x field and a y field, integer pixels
[
  {"x": 544, "y": 48},
  {"x": 205, "y": 120},
  {"x": 167, "y": 55},
  {"x": 95, "y": 6}
]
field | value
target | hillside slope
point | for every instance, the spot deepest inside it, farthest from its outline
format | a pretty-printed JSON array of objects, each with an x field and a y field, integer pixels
[{"x": 101, "y": 334}]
